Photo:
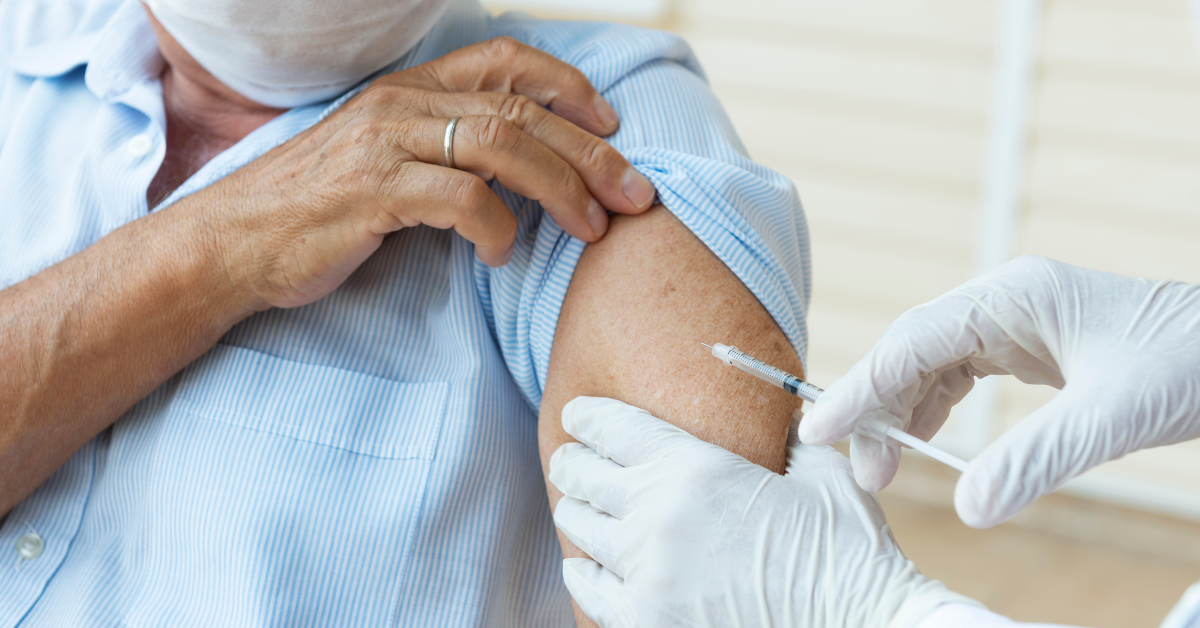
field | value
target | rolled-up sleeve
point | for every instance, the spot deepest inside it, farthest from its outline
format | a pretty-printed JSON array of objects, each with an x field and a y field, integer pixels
[{"x": 675, "y": 132}]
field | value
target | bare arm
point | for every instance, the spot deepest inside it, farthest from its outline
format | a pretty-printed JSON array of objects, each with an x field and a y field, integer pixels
[
  {"x": 639, "y": 303},
  {"x": 85, "y": 340}
]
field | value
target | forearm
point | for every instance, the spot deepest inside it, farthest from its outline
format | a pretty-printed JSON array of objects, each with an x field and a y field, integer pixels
[
  {"x": 640, "y": 302},
  {"x": 86, "y": 339}
]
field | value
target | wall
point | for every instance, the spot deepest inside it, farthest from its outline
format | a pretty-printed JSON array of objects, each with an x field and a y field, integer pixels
[{"x": 879, "y": 111}]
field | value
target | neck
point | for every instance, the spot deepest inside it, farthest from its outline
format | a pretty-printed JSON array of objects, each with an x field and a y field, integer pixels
[
  {"x": 201, "y": 123},
  {"x": 219, "y": 115}
]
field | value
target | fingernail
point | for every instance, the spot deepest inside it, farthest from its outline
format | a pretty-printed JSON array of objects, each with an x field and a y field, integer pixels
[
  {"x": 604, "y": 111},
  {"x": 597, "y": 218},
  {"x": 638, "y": 188}
]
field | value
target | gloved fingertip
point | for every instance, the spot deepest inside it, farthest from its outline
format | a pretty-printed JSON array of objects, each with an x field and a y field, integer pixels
[
  {"x": 562, "y": 450},
  {"x": 814, "y": 429},
  {"x": 581, "y": 576},
  {"x": 556, "y": 456},
  {"x": 975, "y": 505},
  {"x": 870, "y": 475},
  {"x": 574, "y": 566},
  {"x": 870, "y": 482},
  {"x": 832, "y": 418},
  {"x": 808, "y": 433},
  {"x": 875, "y": 463},
  {"x": 968, "y": 512},
  {"x": 586, "y": 582},
  {"x": 568, "y": 414}
]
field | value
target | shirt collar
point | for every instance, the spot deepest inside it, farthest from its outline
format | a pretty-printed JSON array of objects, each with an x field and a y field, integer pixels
[
  {"x": 53, "y": 58},
  {"x": 119, "y": 52},
  {"x": 126, "y": 53}
]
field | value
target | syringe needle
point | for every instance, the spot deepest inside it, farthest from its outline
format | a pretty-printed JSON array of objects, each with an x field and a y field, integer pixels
[{"x": 709, "y": 346}]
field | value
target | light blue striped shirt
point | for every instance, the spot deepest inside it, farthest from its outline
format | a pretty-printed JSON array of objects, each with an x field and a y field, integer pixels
[{"x": 369, "y": 459}]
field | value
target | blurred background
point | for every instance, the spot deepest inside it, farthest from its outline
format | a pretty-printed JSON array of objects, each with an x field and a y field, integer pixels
[{"x": 935, "y": 139}]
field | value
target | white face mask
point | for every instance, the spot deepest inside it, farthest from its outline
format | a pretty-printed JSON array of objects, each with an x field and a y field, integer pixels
[{"x": 287, "y": 53}]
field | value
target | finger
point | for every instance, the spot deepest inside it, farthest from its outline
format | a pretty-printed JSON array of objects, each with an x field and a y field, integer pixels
[
  {"x": 949, "y": 388},
  {"x": 592, "y": 531},
  {"x": 580, "y": 472},
  {"x": 623, "y": 433},
  {"x": 1074, "y": 432},
  {"x": 814, "y": 460},
  {"x": 874, "y": 461},
  {"x": 452, "y": 199},
  {"x": 612, "y": 180},
  {"x": 598, "y": 592},
  {"x": 492, "y": 147},
  {"x": 828, "y": 467},
  {"x": 918, "y": 344},
  {"x": 505, "y": 65}
]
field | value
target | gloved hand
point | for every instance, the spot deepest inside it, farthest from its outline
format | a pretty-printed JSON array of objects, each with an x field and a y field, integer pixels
[
  {"x": 1124, "y": 352},
  {"x": 685, "y": 533}
]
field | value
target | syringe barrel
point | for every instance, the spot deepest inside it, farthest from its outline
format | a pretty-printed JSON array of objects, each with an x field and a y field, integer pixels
[
  {"x": 762, "y": 370},
  {"x": 805, "y": 391}
]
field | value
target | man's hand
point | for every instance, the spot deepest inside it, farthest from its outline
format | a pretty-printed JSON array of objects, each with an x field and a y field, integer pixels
[
  {"x": 1125, "y": 353},
  {"x": 84, "y": 340},
  {"x": 684, "y": 533},
  {"x": 296, "y": 222}
]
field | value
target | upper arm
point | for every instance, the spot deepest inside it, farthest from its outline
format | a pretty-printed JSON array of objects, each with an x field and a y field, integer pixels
[
  {"x": 639, "y": 304},
  {"x": 623, "y": 318},
  {"x": 637, "y": 307}
]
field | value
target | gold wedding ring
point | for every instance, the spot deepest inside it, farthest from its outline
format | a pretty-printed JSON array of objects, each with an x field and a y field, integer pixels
[{"x": 448, "y": 143}]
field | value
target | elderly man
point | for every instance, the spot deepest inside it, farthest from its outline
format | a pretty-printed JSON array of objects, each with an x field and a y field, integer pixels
[{"x": 248, "y": 374}]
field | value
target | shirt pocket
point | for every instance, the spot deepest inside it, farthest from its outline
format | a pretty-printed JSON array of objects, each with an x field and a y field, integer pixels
[{"x": 278, "y": 493}]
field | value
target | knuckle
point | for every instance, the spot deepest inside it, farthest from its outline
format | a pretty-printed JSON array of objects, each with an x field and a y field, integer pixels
[
  {"x": 516, "y": 107},
  {"x": 597, "y": 153},
  {"x": 388, "y": 98},
  {"x": 498, "y": 134},
  {"x": 569, "y": 181},
  {"x": 390, "y": 177},
  {"x": 467, "y": 193},
  {"x": 502, "y": 48},
  {"x": 376, "y": 94}
]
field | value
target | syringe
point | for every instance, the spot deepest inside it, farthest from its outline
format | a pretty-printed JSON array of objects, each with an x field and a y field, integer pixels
[{"x": 871, "y": 425}]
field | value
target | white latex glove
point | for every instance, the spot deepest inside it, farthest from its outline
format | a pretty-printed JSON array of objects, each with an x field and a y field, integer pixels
[
  {"x": 685, "y": 533},
  {"x": 1125, "y": 353}
]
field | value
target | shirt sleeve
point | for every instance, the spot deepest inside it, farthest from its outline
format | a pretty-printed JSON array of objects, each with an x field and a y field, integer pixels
[{"x": 676, "y": 133}]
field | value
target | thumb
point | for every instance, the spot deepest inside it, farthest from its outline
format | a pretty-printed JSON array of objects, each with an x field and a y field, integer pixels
[
  {"x": 596, "y": 591},
  {"x": 874, "y": 456},
  {"x": 1075, "y": 431}
]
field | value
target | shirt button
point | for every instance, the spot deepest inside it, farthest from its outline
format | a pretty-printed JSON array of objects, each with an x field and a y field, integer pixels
[
  {"x": 30, "y": 546},
  {"x": 140, "y": 145}
]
